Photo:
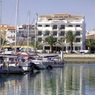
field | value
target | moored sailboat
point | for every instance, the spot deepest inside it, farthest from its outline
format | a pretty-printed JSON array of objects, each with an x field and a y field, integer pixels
[{"x": 12, "y": 64}]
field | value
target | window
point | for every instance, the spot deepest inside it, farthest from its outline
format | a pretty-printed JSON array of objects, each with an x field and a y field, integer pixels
[
  {"x": 39, "y": 33},
  {"x": 77, "y": 25},
  {"x": 69, "y": 47},
  {"x": 62, "y": 33},
  {"x": 70, "y": 25},
  {"x": 23, "y": 35},
  {"x": 77, "y": 39},
  {"x": 77, "y": 33},
  {"x": 39, "y": 39},
  {"x": 47, "y": 47},
  {"x": 49, "y": 19},
  {"x": 54, "y": 26},
  {"x": 47, "y": 25},
  {"x": 54, "y": 33},
  {"x": 19, "y": 32},
  {"x": 39, "y": 25},
  {"x": 46, "y": 33},
  {"x": 46, "y": 39},
  {"x": 64, "y": 48},
  {"x": 62, "y": 27},
  {"x": 77, "y": 48}
]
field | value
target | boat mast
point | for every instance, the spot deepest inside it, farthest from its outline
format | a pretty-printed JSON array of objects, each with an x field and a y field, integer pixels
[
  {"x": 28, "y": 32},
  {"x": 36, "y": 32},
  {"x": 0, "y": 21},
  {"x": 0, "y": 12},
  {"x": 16, "y": 22}
]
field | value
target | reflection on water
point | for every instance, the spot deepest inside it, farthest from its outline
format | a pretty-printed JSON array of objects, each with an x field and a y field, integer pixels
[{"x": 73, "y": 79}]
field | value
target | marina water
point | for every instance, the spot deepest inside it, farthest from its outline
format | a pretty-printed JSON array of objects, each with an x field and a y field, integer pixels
[{"x": 72, "y": 79}]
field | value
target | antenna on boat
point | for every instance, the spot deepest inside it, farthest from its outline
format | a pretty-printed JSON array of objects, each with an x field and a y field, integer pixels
[{"x": 16, "y": 22}]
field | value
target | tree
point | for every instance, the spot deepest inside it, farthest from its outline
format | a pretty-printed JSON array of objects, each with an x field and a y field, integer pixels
[
  {"x": 70, "y": 37},
  {"x": 61, "y": 42},
  {"x": 2, "y": 42},
  {"x": 51, "y": 41},
  {"x": 90, "y": 43},
  {"x": 38, "y": 46},
  {"x": 2, "y": 39}
]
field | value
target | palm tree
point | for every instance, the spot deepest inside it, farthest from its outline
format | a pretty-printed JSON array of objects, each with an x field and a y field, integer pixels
[
  {"x": 51, "y": 41},
  {"x": 70, "y": 37},
  {"x": 61, "y": 42}
]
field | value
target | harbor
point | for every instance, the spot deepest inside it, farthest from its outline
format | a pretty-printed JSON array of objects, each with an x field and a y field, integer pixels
[
  {"x": 47, "y": 47},
  {"x": 73, "y": 79},
  {"x": 20, "y": 64}
]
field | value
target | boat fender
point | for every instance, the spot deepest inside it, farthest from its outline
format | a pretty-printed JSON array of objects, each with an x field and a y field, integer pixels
[{"x": 20, "y": 66}]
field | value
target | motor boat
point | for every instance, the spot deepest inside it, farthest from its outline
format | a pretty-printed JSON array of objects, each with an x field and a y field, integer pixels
[{"x": 47, "y": 61}]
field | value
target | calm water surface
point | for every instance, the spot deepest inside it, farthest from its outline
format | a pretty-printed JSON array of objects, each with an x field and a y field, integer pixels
[{"x": 73, "y": 79}]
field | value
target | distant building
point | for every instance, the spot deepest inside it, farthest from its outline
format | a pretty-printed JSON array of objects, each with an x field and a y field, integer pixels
[
  {"x": 90, "y": 34},
  {"x": 10, "y": 35},
  {"x": 7, "y": 33},
  {"x": 25, "y": 33},
  {"x": 58, "y": 25}
]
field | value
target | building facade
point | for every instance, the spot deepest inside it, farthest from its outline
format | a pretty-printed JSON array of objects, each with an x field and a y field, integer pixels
[
  {"x": 25, "y": 35},
  {"x": 58, "y": 25}
]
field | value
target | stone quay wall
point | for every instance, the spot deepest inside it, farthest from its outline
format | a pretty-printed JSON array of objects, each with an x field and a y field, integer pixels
[{"x": 79, "y": 58}]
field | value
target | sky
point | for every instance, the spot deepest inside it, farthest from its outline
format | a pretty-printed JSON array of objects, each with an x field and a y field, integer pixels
[{"x": 75, "y": 7}]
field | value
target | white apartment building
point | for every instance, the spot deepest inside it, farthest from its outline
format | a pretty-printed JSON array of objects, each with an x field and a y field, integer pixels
[{"x": 58, "y": 25}]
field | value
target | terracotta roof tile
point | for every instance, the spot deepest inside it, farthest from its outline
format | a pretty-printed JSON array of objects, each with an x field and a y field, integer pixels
[{"x": 6, "y": 27}]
